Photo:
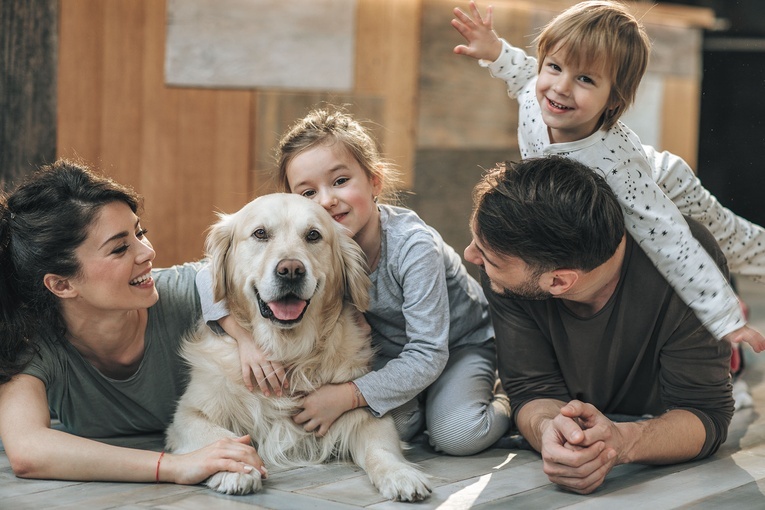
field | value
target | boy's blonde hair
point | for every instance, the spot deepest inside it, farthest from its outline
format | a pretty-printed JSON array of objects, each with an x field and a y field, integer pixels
[
  {"x": 601, "y": 31},
  {"x": 327, "y": 126}
]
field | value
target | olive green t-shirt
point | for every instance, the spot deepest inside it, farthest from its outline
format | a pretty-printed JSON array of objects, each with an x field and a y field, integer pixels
[
  {"x": 92, "y": 405},
  {"x": 644, "y": 353}
]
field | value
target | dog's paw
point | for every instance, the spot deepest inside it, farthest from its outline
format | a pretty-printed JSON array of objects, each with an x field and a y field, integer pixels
[
  {"x": 405, "y": 484},
  {"x": 235, "y": 483}
]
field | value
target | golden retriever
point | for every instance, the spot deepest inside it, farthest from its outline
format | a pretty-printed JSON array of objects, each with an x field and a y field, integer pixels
[{"x": 293, "y": 277}]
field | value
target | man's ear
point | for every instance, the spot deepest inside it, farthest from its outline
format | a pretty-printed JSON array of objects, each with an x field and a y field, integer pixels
[
  {"x": 559, "y": 281},
  {"x": 61, "y": 287}
]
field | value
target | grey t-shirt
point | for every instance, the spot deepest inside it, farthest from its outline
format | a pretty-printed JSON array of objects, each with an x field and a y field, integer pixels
[
  {"x": 92, "y": 405},
  {"x": 645, "y": 352}
]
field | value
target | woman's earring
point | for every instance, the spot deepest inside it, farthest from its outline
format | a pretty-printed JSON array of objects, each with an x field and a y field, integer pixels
[{"x": 374, "y": 198}]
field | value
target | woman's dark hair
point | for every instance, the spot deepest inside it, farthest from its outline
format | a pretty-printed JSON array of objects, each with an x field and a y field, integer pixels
[
  {"x": 551, "y": 212},
  {"x": 42, "y": 222}
]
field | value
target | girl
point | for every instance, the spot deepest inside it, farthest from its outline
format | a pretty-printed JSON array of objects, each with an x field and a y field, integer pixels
[
  {"x": 435, "y": 362},
  {"x": 84, "y": 335}
]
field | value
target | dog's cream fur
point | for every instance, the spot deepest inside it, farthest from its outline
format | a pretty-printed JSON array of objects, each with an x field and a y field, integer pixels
[{"x": 286, "y": 244}]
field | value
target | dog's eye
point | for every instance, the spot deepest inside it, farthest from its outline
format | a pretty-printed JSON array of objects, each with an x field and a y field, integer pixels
[
  {"x": 313, "y": 236},
  {"x": 260, "y": 234}
]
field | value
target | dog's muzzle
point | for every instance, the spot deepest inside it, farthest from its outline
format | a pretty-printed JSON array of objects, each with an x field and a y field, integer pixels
[{"x": 290, "y": 307}]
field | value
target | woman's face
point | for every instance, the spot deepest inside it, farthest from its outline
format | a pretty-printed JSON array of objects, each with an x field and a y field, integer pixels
[{"x": 116, "y": 260}]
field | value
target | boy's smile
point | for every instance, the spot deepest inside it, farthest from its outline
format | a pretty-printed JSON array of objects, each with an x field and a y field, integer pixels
[{"x": 572, "y": 100}]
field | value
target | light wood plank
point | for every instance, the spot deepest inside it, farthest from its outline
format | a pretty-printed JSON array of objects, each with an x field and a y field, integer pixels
[
  {"x": 80, "y": 80},
  {"x": 186, "y": 151},
  {"x": 157, "y": 162},
  {"x": 299, "y": 45},
  {"x": 122, "y": 119},
  {"x": 461, "y": 106},
  {"x": 682, "y": 100},
  {"x": 746, "y": 497},
  {"x": 387, "y": 57},
  {"x": 311, "y": 476},
  {"x": 267, "y": 499},
  {"x": 686, "y": 486}
]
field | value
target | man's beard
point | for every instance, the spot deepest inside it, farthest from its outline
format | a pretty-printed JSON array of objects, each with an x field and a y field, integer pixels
[
  {"x": 530, "y": 295},
  {"x": 528, "y": 290}
]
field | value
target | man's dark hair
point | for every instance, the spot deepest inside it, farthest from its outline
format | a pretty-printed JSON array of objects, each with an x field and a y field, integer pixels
[{"x": 551, "y": 212}]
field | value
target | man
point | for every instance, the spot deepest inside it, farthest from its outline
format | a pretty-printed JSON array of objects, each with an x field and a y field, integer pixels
[{"x": 586, "y": 328}]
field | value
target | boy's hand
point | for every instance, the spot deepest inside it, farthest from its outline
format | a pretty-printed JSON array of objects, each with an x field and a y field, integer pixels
[
  {"x": 269, "y": 375},
  {"x": 482, "y": 41},
  {"x": 749, "y": 335}
]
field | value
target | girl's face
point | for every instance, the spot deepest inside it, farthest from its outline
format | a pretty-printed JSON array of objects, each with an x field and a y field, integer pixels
[
  {"x": 116, "y": 260},
  {"x": 331, "y": 176},
  {"x": 572, "y": 100}
]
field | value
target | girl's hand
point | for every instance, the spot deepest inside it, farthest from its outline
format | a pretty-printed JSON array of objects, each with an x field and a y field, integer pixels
[
  {"x": 749, "y": 335},
  {"x": 321, "y": 408},
  {"x": 269, "y": 375},
  {"x": 233, "y": 455},
  {"x": 482, "y": 41}
]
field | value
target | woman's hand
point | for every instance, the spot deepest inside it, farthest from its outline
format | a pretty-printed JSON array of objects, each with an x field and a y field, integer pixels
[{"x": 232, "y": 455}]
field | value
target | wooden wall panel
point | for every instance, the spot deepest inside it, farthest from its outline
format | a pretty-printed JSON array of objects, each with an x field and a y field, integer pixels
[
  {"x": 461, "y": 105},
  {"x": 297, "y": 44},
  {"x": 186, "y": 150},
  {"x": 679, "y": 126},
  {"x": 29, "y": 40},
  {"x": 80, "y": 79},
  {"x": 194, "y": 151},
  {"x": 387, "y": 62}
]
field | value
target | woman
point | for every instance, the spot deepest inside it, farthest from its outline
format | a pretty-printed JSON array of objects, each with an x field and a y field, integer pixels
[{"x": 85, "y": 335}]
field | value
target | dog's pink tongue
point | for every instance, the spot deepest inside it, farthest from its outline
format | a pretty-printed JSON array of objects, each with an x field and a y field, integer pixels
[{"x": 287, "y": 309}]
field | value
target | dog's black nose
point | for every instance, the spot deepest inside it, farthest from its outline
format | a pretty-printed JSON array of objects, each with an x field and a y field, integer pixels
[{"x": 290, "y": 269}]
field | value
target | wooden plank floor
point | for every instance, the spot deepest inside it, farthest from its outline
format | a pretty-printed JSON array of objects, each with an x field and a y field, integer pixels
[{"x": 734, "y": 478}]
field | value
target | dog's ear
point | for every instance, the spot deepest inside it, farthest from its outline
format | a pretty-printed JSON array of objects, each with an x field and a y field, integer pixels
[
  {"x": 218, "y": 245},
  {"x": 355, "y": 275}
]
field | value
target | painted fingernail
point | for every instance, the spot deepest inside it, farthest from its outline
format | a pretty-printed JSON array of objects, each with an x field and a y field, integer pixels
[{"x": 248, "y": 468}]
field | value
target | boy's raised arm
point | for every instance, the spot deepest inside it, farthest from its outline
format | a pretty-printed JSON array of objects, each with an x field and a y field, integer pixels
[{"x": 482, "y": 41}]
